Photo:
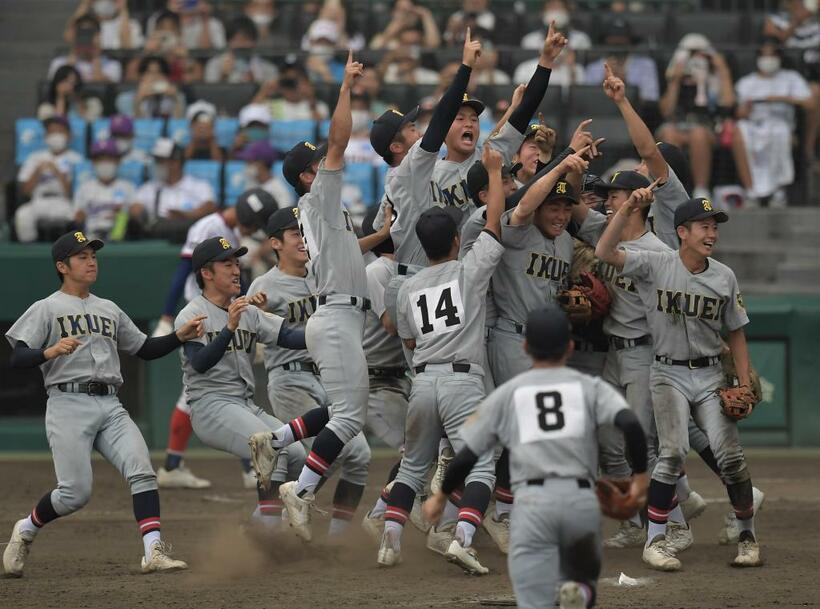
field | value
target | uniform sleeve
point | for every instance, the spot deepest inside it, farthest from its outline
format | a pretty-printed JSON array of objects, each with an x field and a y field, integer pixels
[
  {"x": 471, "y": 230},
  {"x": 592, "y": 228},
  {"x": 184, "y": 316},
  {"x": 33, "y": 327},
  {"x": 403, "y": 323},
  {"x": 513, "y": 237},
  {"x": 480, "y": 262},
  {"x": 639, "y": 264},
  {"x": 734, "y": 316},
  {"x": 668, "y": 196},
  {"x": 481, "y": 431},
  {"x": 608, "y": 402},
  {"x": 421, "y": 166},
  {"x": 129, "y": 337},
  {"x": 377, "y": 278},
  {"x": 507, "y": 141},
  {"x": 326, "y": 196},
  {"x": 268, "y": 327}
]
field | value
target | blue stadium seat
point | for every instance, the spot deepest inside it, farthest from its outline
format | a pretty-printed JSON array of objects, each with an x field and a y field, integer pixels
[
  {"x": 361, "y": 177},
  {"x": 100, "y": 129},
  {"x": 225, "y": 131},
  {"x": 146, "y": 132},
  {"x": 78, "y": 129},
  {"x": 83, "y": 171},
  {"x": 210, "y": 171},
  {"x": 235, "y": 183},
  {"x": 179, "y": 130},
  {"x": 276, "y": 170},
  {"x": 324, "y": 129},
  {"x": 28, "y": 138},
  {"x": 284, "y": 135},
  {"x": 132, "y": 171}
]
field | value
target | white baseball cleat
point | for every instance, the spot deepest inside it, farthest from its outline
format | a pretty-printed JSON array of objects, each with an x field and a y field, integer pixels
[
  {"x": 14, "y": 557},
  {"x": 263, "y": 456},
  {"x": 466, "y": 558},
  {"x": 445, "y": 456},
  {"x": 678, "y": 537},
  {"x": 748, "y": 554},
  {"x": 730, "y": 533},
  {"x": 180, "y": 477},
  {"x": 374, "y": 527},
  {"x": 417, "y": 517},
  {"x": 249, "y": 479},
  {"x": 160, "y": 561},
  {"x": 571, "y": 597},
  {"x": 439, "y": 540},
  {"x": 657, "y": 556},
  {"x": 389, "y": 552},
  {"x": 299, "y": 509},
  {"x": 499, "y": 530},
  {"x": 628, "y": 535},
  {"x": 693, "y": 507}
]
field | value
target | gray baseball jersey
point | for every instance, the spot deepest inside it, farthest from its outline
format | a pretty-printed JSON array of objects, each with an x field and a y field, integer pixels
[
  {"x": 668, "y": 196},
  {"x": 449, "y": 186},
  {"x": 293, "y": 299},
  {"x": 329, "y": 238},
  {"x": 380, "y": 349},
  {"x": 689, "y": 310},
  {"x": 101, "y": 327},
  {"x": 532, "y": 270},
  {"x": 469, "y": 233},
  {"x": 233, "y": 374},
  {"x": 548, "y": 418},
  {"x": 630, "y": 299},
  {"x": 443, "y": 306}
]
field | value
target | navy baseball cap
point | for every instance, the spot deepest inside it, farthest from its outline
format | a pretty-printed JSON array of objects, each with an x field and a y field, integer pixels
[
  {"x": 591, "y": 181},
  {"x": 472, "y": 102},
  {"x": 281, "y": 220},
  {"x": 71, "y": 244},
  {"x": 299, "y": 158},
  {"x": 385, "y": 128},
  {"x": 478, "y": 179},
  {"x": 254, "y": 207},
  {"x": 548, "y": 332},
  {"x": 622, "y": 180},
  {"x": 437, "y": 225},
  {"x": 698, "y": 209},
  {"x": 214, "y": 249},
  {"x": 561, "y": 191},
  {"x": 386, "y": 246}
]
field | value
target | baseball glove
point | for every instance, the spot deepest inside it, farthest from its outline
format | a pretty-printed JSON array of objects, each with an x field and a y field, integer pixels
[
  {"x": 597, "y": 293},
  {"x": 728, "y": 364},
  {"x": 737, "y": 402},
  {"x": 615, "y": 499},
  {"x": 576, "y": 304}
]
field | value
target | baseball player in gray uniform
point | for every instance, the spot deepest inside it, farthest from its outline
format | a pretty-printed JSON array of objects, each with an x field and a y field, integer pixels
[
  {"x": 74, "y": 337},
  {"x": 548, "y": 418},
  {"x": 217, "y": 369},
  {"x": 294, "y": 386},
  {"x": 695, "y": 297},
  {"x": 441, "y": 318},
  {"x": 334, "y": 332}
]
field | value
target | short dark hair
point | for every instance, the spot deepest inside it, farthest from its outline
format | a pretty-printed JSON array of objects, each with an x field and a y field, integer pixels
[
  {"x": 242, "y": 25},
  {"x": 198, "y": 275},
  {"x": 86, "y": 20},
  {"x": 149, "y": 59},
  {"x": 166, "y": 15},
  {"x": 67, "y": 262},
  {"x": 436, "y": 249}
]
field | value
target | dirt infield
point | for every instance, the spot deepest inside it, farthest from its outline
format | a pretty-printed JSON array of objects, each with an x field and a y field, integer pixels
[{"x": 91, "y": 559}]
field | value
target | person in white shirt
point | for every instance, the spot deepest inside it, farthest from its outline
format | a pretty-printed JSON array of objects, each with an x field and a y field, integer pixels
[
  {"x": 199, "y": 29},
  {"x": 240, "y": 62},
  {"x": 557, "y": 12},
  {"x": 171, "y": 194},
  {"x": 117, "y": 29},
  {"x": 259, "y": 157},
  {"x": 98, "y": 200},
  {"x": 86, "y": 55},
  {"x": 766, "y": 108},
  {"x": 292, "y": 96},
  {"x": 45, "y": 177}
]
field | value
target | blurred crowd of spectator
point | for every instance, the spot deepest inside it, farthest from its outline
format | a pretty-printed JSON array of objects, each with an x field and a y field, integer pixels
[{"x": 697, "y": 101}]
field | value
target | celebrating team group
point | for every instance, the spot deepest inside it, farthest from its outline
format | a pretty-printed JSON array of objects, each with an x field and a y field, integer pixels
[{"x": 536, "y": 344}]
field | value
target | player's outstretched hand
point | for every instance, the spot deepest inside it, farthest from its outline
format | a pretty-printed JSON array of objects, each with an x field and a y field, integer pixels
[
  {"x": 575, "y": 163},
  {"x": 353, "y": 69},
  {"x": 235, "y": 310},
  {"x": 491, "y": 159},
  {"x": 260, "y": 299},
  {"x": 433, "y": 507},
  {"x": 518, "y": 95},
  {"x": 613, "y": 86},
  {"x": 554, "y": 43},
  {"x": 387, "y": 212},
  {"x": 193, "y": 328},
  {"x": 581, "y": 137},
  {"x": 64, "y": 346},
  {"x": 472, "y": 50},
  {"x": 642, "y": 197}
]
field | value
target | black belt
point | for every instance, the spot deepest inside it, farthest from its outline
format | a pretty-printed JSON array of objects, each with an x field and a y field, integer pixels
[
  {"x": 618, "y": 343},
  {"x": 582, "y": 482},
  {"x": 301, "y": 367},
  {"x": 393, "y": 373},
  {"x": 92, "y": 388},
  {"x": 456, "y": 367},
  {"x": 701, "y": 362},
  {"x": 356, "y": 301}
]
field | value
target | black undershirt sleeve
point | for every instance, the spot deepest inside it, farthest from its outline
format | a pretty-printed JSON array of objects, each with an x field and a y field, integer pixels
[
  {"x": 24, "y": 356},
  {"x": 458, "y": 470},
  {"x": 446, "y": 111},
  {"x": 634, "y": 437},
  {"x": 159, "y": 346},
  {"x": 533, "y": 95},
  {"x": 291, "y": 338},
  {"x": 205, "y": 357}
]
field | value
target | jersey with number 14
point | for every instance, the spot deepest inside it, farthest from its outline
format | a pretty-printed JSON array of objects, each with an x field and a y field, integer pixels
[
  {"x": 548, "y": 418},
  {"x": 442, "y": 307}
]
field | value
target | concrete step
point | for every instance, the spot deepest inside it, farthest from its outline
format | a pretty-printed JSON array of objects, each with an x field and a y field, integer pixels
[{"x": 805, "y": 273}]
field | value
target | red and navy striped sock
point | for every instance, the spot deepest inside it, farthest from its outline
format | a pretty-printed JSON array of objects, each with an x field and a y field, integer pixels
[
  {"x": 326, "y": 447},
  {"x": 474, "y": 503},
  {"x": 43, "y": 512},
  {"x": 146, "y": 511},
  {"x": 661, "y": 497},
  {"x": 399, "y": 504},
  {"x": 310, "y": 423}
]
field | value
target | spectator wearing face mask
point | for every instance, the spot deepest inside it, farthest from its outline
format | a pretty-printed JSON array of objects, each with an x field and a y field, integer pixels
[
  {"x": 240, "y": 63},
  {"x": 156, "y": 96},
  {"x": 407, "y": 15},
  {"x": 199, "y": 30},
  {"x": 272, "y": 28},
  {"x": 322, "y": 40},
  {"x": 402, "y": 65},
  {"x": 291, "y": 96},
  {"x": 634, "y": 69},
  {"x": 767, "y": 99},
  {"x": 202, "y": 145},
  {"x": 45, "y": 177},
  {"x": 100, "y": 199},
  {"x": 121, "y": 129},
  {"x": 254, "y": 126},
  {"x": 117, "y": 29},
  {"x": 166, "y": 41},
  {"x": 86, "y": 55},
  {"x": 557, "y": 11},
  {"x": 259, "y": 157}
]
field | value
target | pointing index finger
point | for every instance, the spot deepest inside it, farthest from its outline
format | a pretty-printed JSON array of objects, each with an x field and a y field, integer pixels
[
  {"x": 350, "y": 56},
  {"x": 654, "y": 184},
  {"x": 467, "y": 38}
]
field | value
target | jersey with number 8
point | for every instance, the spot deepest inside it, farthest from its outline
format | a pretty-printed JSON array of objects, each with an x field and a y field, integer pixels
[{"x": 442, "y": 307}]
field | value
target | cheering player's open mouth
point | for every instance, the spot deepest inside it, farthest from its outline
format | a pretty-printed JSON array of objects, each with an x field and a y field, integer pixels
[{"x": 467, "y": 137}]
